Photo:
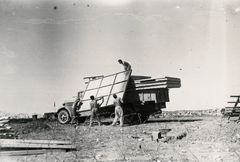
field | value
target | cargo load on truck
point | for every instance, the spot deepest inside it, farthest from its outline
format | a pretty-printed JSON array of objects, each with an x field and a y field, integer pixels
[{"x": 142, "y": 95}]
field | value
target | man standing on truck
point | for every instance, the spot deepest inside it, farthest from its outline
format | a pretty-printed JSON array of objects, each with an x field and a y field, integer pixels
[
  {"x": 125, "y": 64},
  {"x": 94, "y": 108},
  {"x": 118, "y": 110}
]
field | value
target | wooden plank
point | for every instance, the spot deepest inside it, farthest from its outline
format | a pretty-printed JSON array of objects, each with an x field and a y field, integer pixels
[
  {"x": 28, "y": 152},
  {"x": 34, "y": 146},
  {"x": 157, "y": 87},
  {"x": 139, "y": 77},
  {"x": 234, "y": 96},
  {"x": 158, "y": 82},
  {"x": 233, "y": 107},
  {"x": 4, "y": 118},
  {"x": 234, "y": 102},
  {"x": 4, "y": 121},
  {"x": 36, "y": 141},
  {"x": 173, "y": 78}
]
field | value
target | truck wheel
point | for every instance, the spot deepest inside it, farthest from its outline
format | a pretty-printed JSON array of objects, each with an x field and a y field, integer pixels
[
  {"x": 132, "y": 119},
  {"x": 82, "y": 119},
  {"x": 144, "y": 118},
  {"x": 63, "y": 117}
]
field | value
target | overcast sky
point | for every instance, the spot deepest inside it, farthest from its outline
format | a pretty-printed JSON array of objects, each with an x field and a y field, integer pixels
[{"x": 47, "y": 47}]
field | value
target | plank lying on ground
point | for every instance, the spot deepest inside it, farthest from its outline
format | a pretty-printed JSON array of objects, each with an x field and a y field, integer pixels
[
  {"x": 234, "y": 96},
  {"x": 27, "y": 152},
  {"x": 4, "y": 118},
  {"x": 36, "y": 141},
  {"x": 35, "y": 144},
  {"x": 4, "y": 121}
]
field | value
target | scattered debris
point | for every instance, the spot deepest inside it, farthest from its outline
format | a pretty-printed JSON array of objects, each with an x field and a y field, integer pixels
[
  {"x": 181, "y": 135},
  {"x": 6, "y": 131},
  {"x": 167, "y": 139},
  {"x": 156, "y": 135},
  {"x": 135, "y": 137},
  {"x": 140, "y": 139}
]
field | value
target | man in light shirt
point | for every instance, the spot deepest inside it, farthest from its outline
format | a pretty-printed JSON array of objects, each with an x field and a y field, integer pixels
[
  {"x": 118, "y": 110},
  {"x": 94, "y": 108}
]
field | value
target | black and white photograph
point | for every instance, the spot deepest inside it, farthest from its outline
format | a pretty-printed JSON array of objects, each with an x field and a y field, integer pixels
[{"x": 119, "y": 81}]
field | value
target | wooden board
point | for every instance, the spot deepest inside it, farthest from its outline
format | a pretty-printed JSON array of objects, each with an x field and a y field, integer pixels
[
  {"x": 234, "y": 102},
  {"x": 4, "y": 121},
  {"x": 157, "y": 87},
  {"x": 27, "y": 152},
  {"x": 159, "y": 82},
  {"x": 35, "y": 144},
  {"x": 36, "y": 141},
  {"x": 139, "y": 77}
]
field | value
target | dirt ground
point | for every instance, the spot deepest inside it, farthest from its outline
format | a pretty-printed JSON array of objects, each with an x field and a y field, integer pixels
[{"x": 190, "y": 139}]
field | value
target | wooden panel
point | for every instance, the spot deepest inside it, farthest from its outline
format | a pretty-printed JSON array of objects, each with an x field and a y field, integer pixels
[
  {"x": 233, "y": 102},
  {"x": 35, "y": 144},
  {"x": 235, "y": 96},
  {"x": 28, "y": 152},
  {"x": 115, "y": 83},
  {"x": 38, "y": 146},
  {"x": 94, "y": 84},
  {"x": 104, "y": 90},
  {"x": 108, "y": 80},
  {"x": 35, "y": 141},
  {"x": 139, "y": 77}
]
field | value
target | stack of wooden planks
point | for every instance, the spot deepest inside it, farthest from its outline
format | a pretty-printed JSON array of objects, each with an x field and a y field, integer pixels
[
  {"x": 233, "y": 110},
  {"x": 28, "y": 147},
  {"x": 6, "y": 131},
  {"x": 167, "y": 82}
]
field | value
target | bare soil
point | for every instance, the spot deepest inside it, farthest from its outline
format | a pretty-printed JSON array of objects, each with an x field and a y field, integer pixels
[{"x": 190, "y": 139}]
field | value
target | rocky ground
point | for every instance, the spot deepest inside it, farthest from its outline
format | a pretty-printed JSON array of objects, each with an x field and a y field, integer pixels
[{"x": 211, "y": 139}]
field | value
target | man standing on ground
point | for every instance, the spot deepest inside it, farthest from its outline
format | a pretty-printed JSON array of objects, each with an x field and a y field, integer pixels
[
  {"x": 118, "y": 110},
  {"x": 125, "y": 64},
  {"x": 94, "y": 108},
  {"x": 76, "y": 106}
]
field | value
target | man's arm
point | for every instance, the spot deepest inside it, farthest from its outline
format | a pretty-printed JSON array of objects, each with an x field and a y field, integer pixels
[
  {"x": 102, "y": 101},
  {"x": 100, "y": 98},
  {"x": 121, "y": 101}
]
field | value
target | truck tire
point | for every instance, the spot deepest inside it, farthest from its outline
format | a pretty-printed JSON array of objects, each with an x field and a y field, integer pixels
[
  {"x": 63, "y": 116},
  {"x": 82, "y": 119},
  {"x": 132, "y": 119},
  {"x": 144, "y": 118}
]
